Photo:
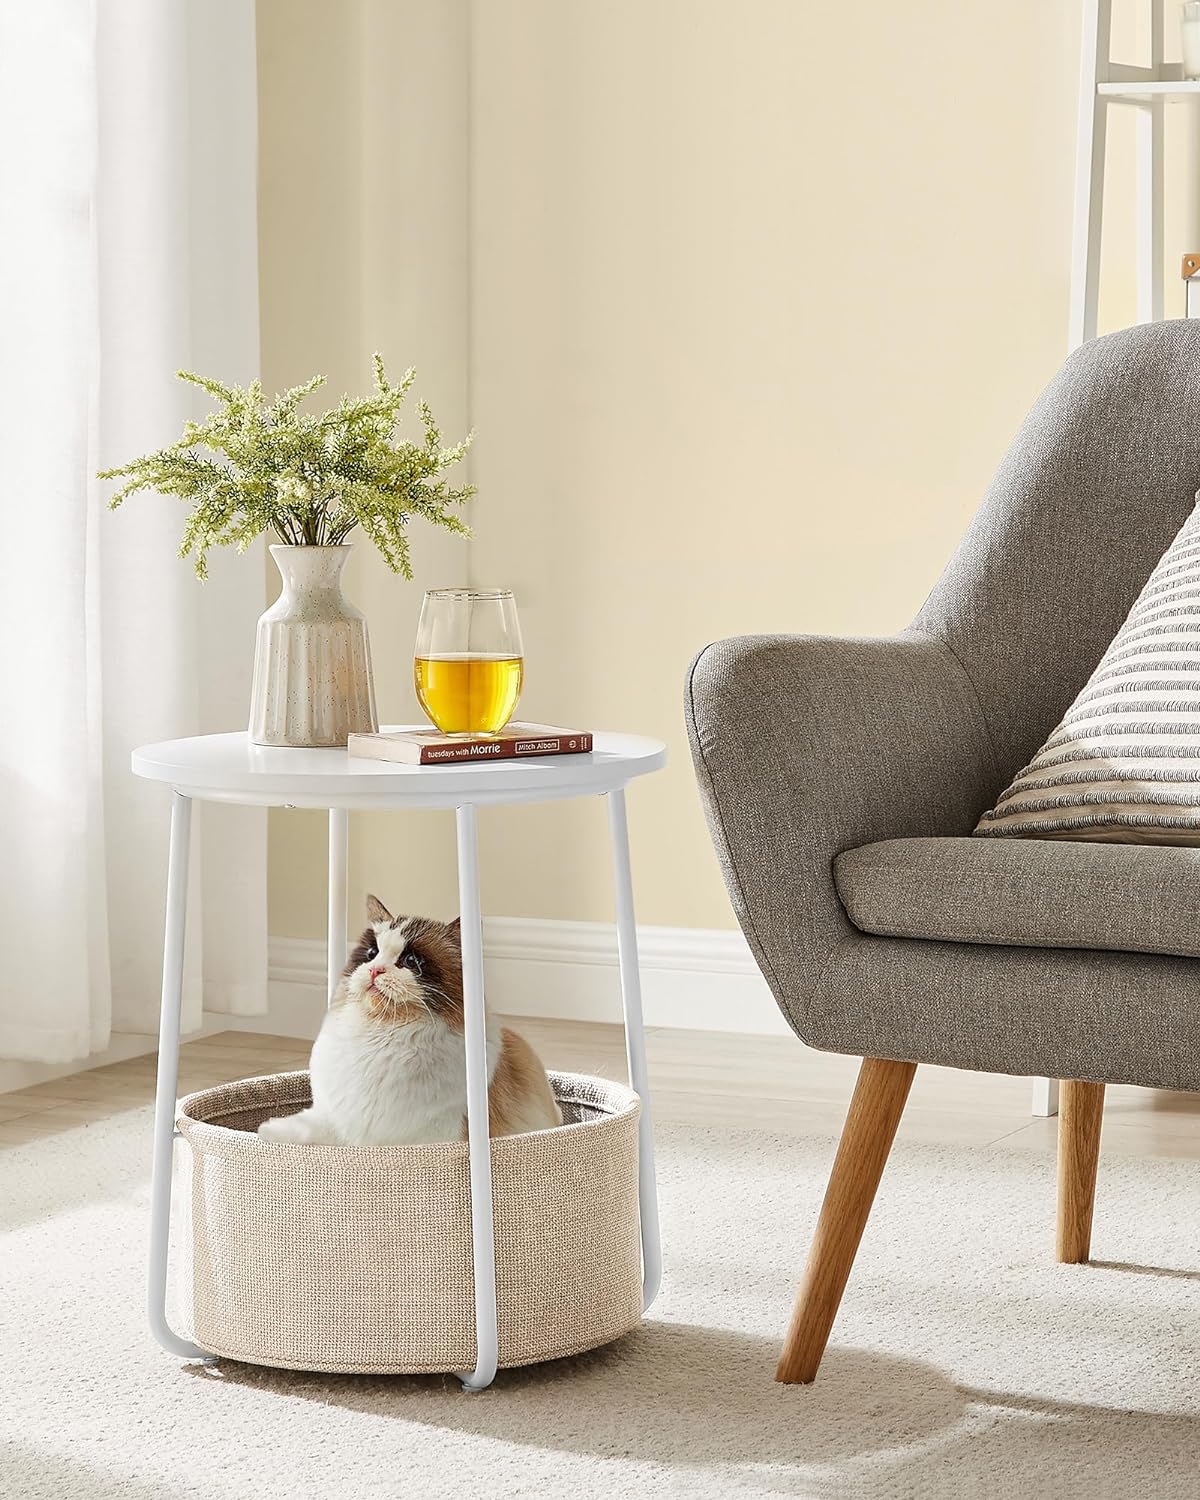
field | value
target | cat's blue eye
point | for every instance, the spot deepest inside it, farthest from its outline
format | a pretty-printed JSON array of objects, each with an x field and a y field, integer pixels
[
  {"x": 413, "y": 962},
  {"x": 370, "y": 954}
]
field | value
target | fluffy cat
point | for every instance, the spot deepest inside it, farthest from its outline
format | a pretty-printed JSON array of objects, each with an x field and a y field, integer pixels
[{"x": 389, "y": 1067}]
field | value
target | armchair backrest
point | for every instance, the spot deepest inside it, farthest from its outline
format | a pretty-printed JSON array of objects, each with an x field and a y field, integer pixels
[{"x": 1100, "y": 478}]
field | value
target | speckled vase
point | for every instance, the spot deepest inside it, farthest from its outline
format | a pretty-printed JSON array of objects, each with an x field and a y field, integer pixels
[{"x": 312, "y": 660}]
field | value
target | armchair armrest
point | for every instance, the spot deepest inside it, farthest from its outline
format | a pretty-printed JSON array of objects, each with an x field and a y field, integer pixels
[{"x": 806, "y": 746}]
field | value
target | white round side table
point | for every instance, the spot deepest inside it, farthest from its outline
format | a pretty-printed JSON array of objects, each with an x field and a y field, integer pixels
[{"x": 229, "y": 768}]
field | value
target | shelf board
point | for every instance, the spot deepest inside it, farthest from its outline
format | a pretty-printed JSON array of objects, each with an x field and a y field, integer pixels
[{"x": 1142, "y": 92}]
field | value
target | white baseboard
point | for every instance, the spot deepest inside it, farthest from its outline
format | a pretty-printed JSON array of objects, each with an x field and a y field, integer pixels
[{"x": 693, "y": 978}]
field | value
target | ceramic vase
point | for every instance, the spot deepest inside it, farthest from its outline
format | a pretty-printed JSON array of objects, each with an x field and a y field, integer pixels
[{"x": 312, "y": 660}]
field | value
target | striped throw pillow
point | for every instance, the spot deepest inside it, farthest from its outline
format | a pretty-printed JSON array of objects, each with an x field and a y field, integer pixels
[{"x": 1123, "y": 766}]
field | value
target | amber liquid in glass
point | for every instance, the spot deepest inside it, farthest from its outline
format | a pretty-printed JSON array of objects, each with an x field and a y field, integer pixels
[{"x": 466, "y": 694}]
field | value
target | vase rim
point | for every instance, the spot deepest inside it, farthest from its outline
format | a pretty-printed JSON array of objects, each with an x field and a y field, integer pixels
[{"x": 309, "y": 546}]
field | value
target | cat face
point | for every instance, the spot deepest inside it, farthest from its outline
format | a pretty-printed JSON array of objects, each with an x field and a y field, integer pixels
[{"x": 404, "y": 969}]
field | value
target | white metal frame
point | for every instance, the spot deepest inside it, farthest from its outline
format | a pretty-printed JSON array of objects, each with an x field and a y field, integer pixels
[
  {"x": 635, "y": 1044},
  {"x": 166, "y": 1086},
  {"x": 479, "y": 1144}
]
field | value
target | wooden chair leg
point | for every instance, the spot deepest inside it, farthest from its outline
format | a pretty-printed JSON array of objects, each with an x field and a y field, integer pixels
[
  {"x": 1080, "y": 1112},
  {"x": 867, "y": 1136}
]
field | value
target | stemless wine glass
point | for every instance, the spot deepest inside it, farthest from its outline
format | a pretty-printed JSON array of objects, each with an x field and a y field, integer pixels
[{"x": 468, "y": 665}]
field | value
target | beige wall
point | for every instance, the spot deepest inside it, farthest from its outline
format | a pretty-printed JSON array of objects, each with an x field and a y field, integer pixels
[
  {"x": 363, "y": 231},
  {"x": 743, "y": 343}
]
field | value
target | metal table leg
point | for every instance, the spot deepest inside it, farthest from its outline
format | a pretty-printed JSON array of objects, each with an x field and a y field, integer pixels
[
  {"x": 168, "y": 1078},
  {"x": 335, "y": 931},
  {"x": 635, "y": 1045},
  {"x": 479, "y": 1140}
]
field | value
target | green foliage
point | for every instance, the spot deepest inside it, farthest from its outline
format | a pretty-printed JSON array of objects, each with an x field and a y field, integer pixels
[{"x": 251, "y": 467}]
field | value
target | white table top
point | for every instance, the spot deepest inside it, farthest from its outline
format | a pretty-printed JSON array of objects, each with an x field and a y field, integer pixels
[{"x": 228, "y": 768}]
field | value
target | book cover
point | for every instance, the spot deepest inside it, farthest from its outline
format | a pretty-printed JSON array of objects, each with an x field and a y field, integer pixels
[{"x": 414, "y": 747}]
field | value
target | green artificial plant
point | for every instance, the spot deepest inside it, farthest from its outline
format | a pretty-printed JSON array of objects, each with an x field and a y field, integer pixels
[{"x": 251, "y": 467}]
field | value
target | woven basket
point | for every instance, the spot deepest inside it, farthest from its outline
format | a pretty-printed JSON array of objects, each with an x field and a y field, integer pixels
[{"x": 359, "y": 1258}]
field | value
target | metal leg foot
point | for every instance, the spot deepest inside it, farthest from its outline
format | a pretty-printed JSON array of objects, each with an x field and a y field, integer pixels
[
  {"x": 479, "y": 1140},
  {"x": 165, "y": 1094},
  {"x": 635, "y": 1046}
]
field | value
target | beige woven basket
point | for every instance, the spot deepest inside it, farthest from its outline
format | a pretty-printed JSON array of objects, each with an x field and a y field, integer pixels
[{"x": 359, "y": 1259}]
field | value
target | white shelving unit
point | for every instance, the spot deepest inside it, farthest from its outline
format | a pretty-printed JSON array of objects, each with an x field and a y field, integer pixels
[{"x": 1104, "y": 83}]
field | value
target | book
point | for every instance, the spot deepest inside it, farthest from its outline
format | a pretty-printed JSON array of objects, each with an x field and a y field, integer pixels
[{"x": 415, "y": 747}]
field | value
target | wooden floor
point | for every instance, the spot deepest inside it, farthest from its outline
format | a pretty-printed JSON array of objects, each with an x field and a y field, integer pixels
[{"x": 697, "y": 1077}]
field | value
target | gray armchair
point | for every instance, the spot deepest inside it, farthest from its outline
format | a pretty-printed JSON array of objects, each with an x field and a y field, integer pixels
[{"x": 842, "y": 778}]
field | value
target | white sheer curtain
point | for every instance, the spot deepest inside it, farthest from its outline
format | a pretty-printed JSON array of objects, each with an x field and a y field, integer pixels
[{"x": 127, "y": 250}]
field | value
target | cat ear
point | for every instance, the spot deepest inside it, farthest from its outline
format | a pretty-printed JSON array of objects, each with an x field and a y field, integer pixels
[
  {"x": 376, "y": 911},
  {"x": 455, "y": 928}
]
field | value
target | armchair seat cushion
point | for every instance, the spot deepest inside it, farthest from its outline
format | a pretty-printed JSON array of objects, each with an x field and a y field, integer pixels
[{"x": 1034, "y": 893}]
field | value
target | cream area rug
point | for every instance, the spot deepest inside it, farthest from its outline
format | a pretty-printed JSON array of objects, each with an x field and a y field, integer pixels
[{"x": 965, "y": 1362}]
